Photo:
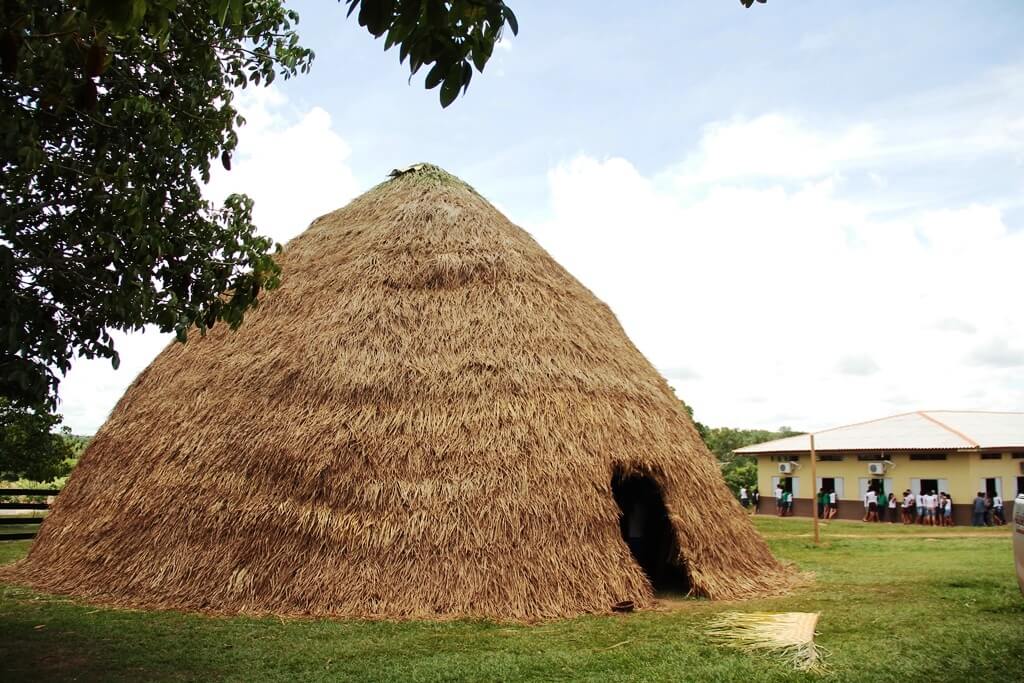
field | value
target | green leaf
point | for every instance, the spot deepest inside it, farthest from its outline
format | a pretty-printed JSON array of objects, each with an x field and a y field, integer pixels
[
  {"x": 219, "y": 9},
  {"x": 452, "y": 84},
  {"x": 510, "y": 17},
  {"x": 434, "y": 76}
]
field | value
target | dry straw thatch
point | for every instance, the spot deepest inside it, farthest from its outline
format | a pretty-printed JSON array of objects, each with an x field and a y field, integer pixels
[
  {"x": 422, "y": 422},
  {"x": 789, "y": 636}
]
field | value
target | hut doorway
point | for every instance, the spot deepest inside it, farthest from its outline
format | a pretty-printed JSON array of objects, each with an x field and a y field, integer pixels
[{"x": 647, "y": 531}]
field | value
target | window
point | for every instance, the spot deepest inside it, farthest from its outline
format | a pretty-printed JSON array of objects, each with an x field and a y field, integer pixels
[
  {"x": 831, "y": 458},
  {"x": 927, "y": 456},
  {"x": 870, "y": 457},
  {"x": 830, "y": 484},
  {"x": 785, "y": 458},
  {"x": 1017, "y": 456},
  {"x": 788, "y": 484},
  {"x": 991, "y": 456},
  {"x": 879, "y": 486}
]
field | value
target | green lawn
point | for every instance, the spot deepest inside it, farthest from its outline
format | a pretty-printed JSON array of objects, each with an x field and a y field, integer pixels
[{"x": 904, "y": 608}]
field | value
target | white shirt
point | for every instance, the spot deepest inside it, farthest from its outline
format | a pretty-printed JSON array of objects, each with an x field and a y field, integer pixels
[
  {"x": 997, "y": 502},
  {"x": 743, "y": 492},
  {"x": 778, "y": 492},
  {"x": 871, "y": 497},
  {"x": 931, "y": 501},
  {"x": 832, "y": 497},
  {"x": 908, "y": 500}
]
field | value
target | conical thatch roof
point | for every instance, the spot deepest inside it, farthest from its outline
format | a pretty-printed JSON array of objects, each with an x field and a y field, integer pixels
[{"x": 424, "y": 420}]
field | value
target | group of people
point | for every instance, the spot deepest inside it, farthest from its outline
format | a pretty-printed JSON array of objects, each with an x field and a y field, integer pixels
[
  {"x": 750, "y": 498},
  {"x": 987, "y": 510},
  {"x": 930, "y": 508},
  {"x": 927, "y": 508}
]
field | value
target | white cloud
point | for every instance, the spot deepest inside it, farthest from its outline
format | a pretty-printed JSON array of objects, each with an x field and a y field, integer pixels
[
  {"x": 759, "y": 288},
  {"x": 857, "y": 365},
  {"x": 681, "y": 373},
  {"x": 955, "y": 325},
  {"x": 998, "y": 353},
  {"x": 291, "y": 162},
  {"x": 295, "y": 167},
  {"x": 776, "y": 147}
]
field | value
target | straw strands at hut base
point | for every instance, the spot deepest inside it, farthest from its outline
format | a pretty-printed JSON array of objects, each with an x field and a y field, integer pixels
[
  {"x": 426, "y": 420},
  {"x": 787, "y": 635}
]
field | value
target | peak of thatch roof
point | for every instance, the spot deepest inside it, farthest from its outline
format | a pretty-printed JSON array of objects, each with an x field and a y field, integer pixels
[{"x": 424, "y": 420}]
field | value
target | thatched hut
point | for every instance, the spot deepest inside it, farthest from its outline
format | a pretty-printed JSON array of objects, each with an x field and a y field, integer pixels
[{"x": 429, "y": 418}]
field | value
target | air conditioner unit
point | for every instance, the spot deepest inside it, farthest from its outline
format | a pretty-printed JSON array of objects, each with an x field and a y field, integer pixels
[
  {"x": 787, "y": 467},
  {"x": 876, "y": 468}
]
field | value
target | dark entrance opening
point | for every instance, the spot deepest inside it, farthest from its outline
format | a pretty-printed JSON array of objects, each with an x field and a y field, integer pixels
[
  {"x": 647, "y": 531},
  {"x": 929, "y": 485}
]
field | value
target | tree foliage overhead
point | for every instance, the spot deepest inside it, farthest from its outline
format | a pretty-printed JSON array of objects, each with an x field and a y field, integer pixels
[
  {"x": 450, "y": 36},
  {"x": 113, "y": 113}
]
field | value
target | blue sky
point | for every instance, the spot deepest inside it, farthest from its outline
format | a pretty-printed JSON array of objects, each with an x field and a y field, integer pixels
[
  {"x": 804, "y": 213},
  {"x": 606, "y": 80}
]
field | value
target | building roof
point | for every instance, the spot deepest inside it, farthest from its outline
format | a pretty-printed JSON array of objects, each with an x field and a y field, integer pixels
[{"x": 921, "y": 430}]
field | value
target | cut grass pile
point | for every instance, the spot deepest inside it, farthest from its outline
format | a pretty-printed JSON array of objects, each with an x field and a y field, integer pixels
[{"x": 903, "y": 606}]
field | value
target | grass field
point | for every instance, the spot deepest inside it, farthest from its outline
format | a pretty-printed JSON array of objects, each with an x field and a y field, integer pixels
[{"x": 897, "y": 604}]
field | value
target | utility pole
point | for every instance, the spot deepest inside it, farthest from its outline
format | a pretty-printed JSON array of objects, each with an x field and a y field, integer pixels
[{"x": 814, "y": 482}]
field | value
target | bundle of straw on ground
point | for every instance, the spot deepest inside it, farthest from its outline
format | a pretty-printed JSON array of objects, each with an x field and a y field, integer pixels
[
  {"x": 786, "y": 635},
  {"x": 423, "y": 421}
]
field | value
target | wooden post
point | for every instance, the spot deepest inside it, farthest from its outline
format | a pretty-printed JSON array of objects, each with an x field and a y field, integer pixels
[{"x": 814, "y": 482}]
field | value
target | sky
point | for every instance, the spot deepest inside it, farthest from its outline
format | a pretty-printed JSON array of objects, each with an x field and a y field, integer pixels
[{"x": 804, "y": 214}]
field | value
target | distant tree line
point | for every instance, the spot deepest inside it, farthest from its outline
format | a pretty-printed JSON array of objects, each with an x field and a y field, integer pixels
[
  {"x": 32, "y": 447},
  {"x": 722, "y": 441}
]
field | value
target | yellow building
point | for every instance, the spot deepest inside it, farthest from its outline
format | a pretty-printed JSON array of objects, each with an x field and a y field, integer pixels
[{"x": 958, "y": 452}]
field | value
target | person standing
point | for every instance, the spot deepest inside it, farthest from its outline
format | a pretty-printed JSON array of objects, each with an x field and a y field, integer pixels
[
  {"x": 998, "y": 518},
  {"x": 744, "y": 498},
  {"x": 908, "y": 506},
  {"x": 922, "y": 507},
  {"x": 893, "y": 508},
  {"x": 820, "y": 500},
  {"x": 755, "y": 495},
  {"x": 833, "y": 504},
  {"x": 978, "y": 510},
  {"x": 780, "y": 504},
  {"x": 871, "y": 498},
  {"x": 932, "y": 505},
  {"x": 883, "y": 505}
]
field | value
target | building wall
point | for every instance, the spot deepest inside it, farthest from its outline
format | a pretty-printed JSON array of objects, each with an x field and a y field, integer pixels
[{"x": 963, "y": 471}]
